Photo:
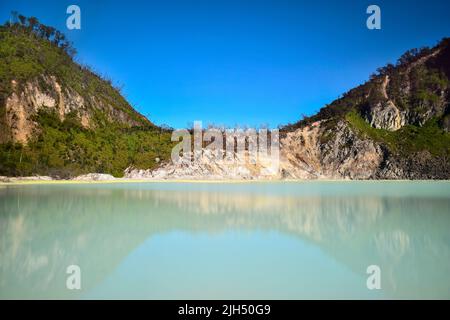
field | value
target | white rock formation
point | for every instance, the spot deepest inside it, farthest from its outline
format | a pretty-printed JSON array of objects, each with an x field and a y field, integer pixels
[
  {"x": 210, "y": 166},
  {"x": 94, "y": 177}
]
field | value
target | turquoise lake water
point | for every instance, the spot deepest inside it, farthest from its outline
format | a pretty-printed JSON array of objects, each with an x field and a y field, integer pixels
[{"x": 287, "y": 240}]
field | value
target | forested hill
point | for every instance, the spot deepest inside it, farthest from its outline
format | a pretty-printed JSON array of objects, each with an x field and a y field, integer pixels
[
  {"x": 414, "y": 90},
  {"x": 394, "y": 126},
  {"x": 59, "y": 118}
]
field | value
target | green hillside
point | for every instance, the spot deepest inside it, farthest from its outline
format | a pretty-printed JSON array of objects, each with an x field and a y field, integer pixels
[
  {"x": 418, "y": 86},
  {"x": 117, "y": 136}
]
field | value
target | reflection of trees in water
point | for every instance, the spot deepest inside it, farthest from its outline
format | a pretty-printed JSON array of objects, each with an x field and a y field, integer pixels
[{"x": 42, "y": 230}]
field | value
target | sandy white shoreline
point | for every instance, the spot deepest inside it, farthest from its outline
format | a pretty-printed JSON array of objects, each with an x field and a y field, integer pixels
[{"x": 10, "y": 181}]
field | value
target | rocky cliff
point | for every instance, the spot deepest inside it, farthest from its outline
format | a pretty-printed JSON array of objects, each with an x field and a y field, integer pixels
[
  {"x": 395, "y": 126},
  {"x": 25, "y": 102}
]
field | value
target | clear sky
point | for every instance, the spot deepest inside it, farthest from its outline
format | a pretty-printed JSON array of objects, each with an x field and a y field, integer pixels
[{"x": 246, "y": 62}]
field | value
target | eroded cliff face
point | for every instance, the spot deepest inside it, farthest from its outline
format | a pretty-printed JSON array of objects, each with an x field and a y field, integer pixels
[
  {"x": 26, "y": 101},
  {"x": 385, "y": 114},
  {"x": 417, "y": 86},
  {"x": 210, "y": 165},
  {"x": 309, "y": 153},
  {"x": 304, "y": 154},
  {"x": 418, "y": 166},
  {"x": 338, "y": 153},
  {"x": 45, "y": 93}
]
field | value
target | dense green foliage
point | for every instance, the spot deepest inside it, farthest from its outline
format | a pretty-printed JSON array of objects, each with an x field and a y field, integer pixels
[
  {"x": 407, "y": 140},
  {"x": 66, "y": 149}
]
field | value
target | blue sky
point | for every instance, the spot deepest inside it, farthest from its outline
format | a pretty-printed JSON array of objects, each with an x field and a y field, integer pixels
[{"x": 246, "y": 62}]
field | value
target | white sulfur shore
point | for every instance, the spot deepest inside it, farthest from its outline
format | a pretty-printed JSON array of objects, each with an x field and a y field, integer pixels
[
  {"x": 31, "y": 178},
  {"x": 94, "y": 177},
  {"x": 85, "y": 177}
]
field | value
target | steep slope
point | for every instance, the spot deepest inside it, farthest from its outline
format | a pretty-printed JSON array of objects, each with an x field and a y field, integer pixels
[
  {"x": 395, "y": 126},
  {"x": 59, "y": 118}
]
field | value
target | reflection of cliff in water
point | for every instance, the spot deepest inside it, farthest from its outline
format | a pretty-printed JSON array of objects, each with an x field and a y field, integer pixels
[{"x": 42, "y": 230}]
